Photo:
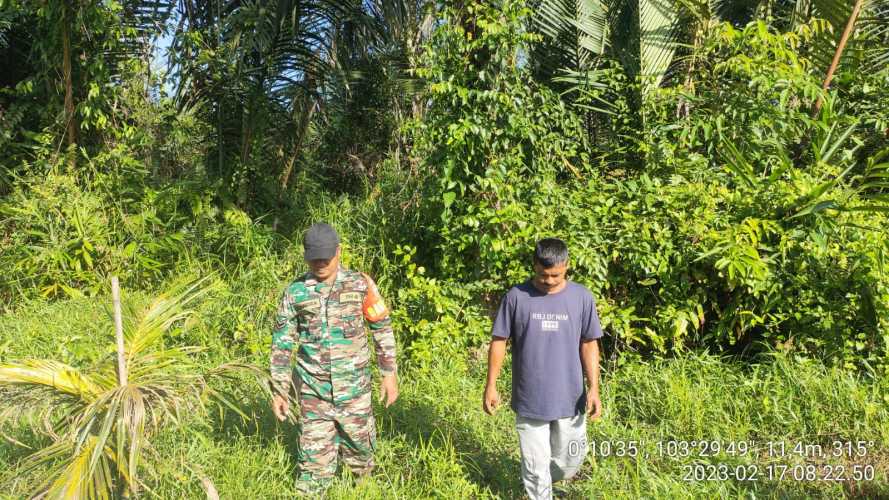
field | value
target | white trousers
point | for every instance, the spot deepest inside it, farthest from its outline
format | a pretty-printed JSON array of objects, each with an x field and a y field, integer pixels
[{"x": 551, "y": 450}]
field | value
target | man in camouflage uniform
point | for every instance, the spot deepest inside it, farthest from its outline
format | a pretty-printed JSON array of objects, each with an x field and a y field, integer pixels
[{"x": 322, "y": 314}]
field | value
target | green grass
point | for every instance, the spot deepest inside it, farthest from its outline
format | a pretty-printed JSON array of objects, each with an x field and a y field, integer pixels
[
  {"x": 436, "y": 442},
  {"x": 73, "y": 331}
]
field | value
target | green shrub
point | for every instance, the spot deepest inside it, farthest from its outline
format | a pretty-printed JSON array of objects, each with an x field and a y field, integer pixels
[
  {"x": 753, "y": 229},
  {"x": 436, "y": 319}
]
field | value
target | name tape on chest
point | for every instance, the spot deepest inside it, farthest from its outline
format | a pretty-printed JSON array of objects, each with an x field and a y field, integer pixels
[{"x": 350, "y": 297}]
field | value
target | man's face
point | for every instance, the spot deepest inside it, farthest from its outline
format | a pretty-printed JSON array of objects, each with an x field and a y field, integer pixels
[
  {"x": 549, "y": 279},
  {"x": 325, "y": 268}
]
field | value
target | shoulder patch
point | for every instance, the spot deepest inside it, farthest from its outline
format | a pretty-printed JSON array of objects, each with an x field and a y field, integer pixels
[{"x": 374, "y": 307}]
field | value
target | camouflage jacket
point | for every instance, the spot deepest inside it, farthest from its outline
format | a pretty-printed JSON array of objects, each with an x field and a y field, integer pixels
[{"x": 326, "y": 324}]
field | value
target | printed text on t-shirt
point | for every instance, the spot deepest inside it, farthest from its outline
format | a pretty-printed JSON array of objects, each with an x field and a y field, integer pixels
[{"x": 549, "y": 322}]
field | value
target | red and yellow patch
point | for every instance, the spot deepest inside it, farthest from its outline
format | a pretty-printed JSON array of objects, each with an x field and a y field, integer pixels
[{"x": 374, "y": 307}]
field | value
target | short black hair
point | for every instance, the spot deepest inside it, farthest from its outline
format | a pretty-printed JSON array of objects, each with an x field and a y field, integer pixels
[{"x": 550, "y": 252}]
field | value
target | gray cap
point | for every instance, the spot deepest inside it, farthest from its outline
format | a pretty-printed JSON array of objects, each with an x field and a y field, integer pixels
[{"x": 320, "y": 241}]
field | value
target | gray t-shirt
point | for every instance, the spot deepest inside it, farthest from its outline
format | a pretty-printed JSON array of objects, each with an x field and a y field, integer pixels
[{"x": 546, "y": 330}]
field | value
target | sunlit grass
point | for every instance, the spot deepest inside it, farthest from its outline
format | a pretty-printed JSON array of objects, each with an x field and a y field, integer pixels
[
  {"x": 436, "y": 442},
  {"x": 100, "y": 427}
]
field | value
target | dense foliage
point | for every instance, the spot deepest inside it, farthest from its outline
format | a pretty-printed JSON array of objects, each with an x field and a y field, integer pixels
[
  {"x": 756, "y": 225},
  {"x": 716, "y": 195},
  {"x": 750, "y": 223}
]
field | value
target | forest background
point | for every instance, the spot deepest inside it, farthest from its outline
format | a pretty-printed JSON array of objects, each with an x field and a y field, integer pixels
[{"x": 719, "y": 170}]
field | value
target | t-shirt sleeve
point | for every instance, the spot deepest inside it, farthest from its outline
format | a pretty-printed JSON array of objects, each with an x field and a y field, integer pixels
[
  {"x": 592, "y": 329},
  {"x": 503, "y": 321}
]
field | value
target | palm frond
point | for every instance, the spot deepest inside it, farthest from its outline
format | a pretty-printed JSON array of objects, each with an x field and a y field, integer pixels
[
  {"x": 642, "y": 34},
  {"x": 69, "y": 474},
  {"x": 142, "y": 330},
  {"x": 874, "y": 29},
  {"x": 836, "y": 12},
  {"x": 100, "y": 430},
  {"x": 658, "y": 28},
  {"x": 50, "y": 374},
  {"x": 867, "y": 48},
  {"x": 581, "y": 27}
]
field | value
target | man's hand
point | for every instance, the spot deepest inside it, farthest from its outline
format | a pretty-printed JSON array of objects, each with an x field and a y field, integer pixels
[
  {"x": 593, "y": 405},
  {"x": 496, "y": 353},
  {"x": 280, "y": 407},
  {"x": 491, "y": 400},
  {"x": 388, "y": 389},
  {"x": 589, "y": 359}
]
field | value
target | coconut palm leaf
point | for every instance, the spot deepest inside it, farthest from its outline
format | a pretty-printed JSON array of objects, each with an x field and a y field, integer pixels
[
  {"x": 69, "y": 475},
  {"x": 866, "y": 49},
  {"x": 657, "y": 44},
  {"x": 100, "y": 430},
  {"x": 641, "y": 34},
  {"x": 581, "y": 27},
  {"x": 60, "y": 377},
  {"x": 142, "y": 329},
  {"x": 874, "y": 33}
]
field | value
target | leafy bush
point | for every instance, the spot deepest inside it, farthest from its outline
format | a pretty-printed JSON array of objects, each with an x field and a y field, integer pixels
[
  {"x": 436, "y": 319},
  {"x": 61, "y": 237},
  {"x": 755, "y": 228},
  {"x": 488, "y": 130}
]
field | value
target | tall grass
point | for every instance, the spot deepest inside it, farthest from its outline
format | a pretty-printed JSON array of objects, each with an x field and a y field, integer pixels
[
  {"x": 435, "y": 442},
  {"x": 99, "y": 427}
]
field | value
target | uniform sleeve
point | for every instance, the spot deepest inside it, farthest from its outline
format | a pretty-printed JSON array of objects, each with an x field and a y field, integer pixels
[
  {"x": 284, "y": 336},
  {"x": 592, "y": 329},
  {"x": 503, "y": 321},
  {"x": 377, "y": 315}
]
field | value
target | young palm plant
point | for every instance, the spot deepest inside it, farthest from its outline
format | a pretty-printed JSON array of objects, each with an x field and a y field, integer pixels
[{"x": 99, "y": 430}]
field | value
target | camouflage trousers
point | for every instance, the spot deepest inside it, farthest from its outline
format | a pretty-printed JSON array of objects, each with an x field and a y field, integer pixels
[{"x": 328, "y": 430}]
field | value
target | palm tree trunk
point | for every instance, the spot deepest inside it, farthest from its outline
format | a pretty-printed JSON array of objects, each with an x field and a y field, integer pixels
[
  {"x": 309, "y": 105},
  {"x": 70, "y": 126},
  {"x": 301, "y": 129},
  {"x": 839, "y": 53}
]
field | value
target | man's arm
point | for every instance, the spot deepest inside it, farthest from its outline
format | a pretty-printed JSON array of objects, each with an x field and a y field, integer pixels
[
  {"x": 496, "y": 353},
  {"x": 284, "y": 337},
  {"x": 500, "y": 331},
  {"x": 377, "y": 315},
  {"x": 589, "y": 358}
]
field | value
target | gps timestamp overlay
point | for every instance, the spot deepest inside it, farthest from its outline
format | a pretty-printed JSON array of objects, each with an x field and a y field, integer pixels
[{"x": 837, "y": 461}]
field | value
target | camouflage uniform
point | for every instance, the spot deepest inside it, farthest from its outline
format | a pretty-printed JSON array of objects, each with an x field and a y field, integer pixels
[{"x": 332, "y": 369}]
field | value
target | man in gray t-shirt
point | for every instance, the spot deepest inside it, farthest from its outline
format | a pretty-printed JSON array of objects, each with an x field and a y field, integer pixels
[{"x": 553, "y": 325}]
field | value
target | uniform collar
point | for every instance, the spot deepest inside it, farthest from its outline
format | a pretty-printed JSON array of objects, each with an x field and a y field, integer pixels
[{"x": 311, "y": 280}]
